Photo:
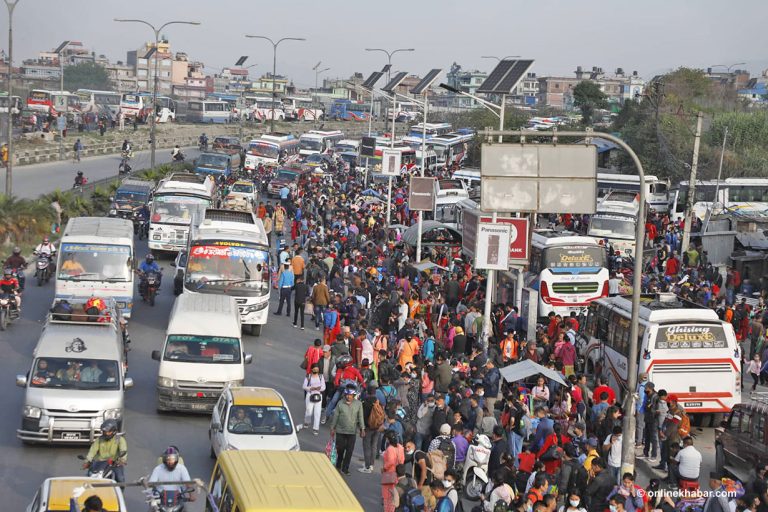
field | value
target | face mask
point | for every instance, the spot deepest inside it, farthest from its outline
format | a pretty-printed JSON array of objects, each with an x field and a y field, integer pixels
[
  {"x": 409, "y": 452},
  {"x": 574, "y": 503},
  {"x": 612, "y": 508},
  {"x": 447, "y": 483},
  {"x": 480, "y": 393}
]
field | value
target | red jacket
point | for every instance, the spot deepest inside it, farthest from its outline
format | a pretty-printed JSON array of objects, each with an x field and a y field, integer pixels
[{"x": 348, "y": 373}]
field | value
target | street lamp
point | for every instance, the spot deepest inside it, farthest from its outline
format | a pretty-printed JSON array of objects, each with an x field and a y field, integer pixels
[
  {"x": 11, "y": 4},
  {"x": 60, "y": 52},
  {"x": 318, "y": 72},
  {"x": 727, "y": 66},
  {"x": 152, "y": 140},
  {"x": 274, "y": 68},
  {"x": 389, "y": 56},
  {"x": 500, "y": 58}
]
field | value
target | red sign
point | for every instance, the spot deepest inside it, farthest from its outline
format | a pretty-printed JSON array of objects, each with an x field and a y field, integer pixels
[{"x": 519, "y": 250}]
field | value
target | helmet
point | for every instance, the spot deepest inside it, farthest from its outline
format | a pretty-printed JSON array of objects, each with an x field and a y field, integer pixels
[
  {"x": 344, "y": 361},
  {"x": 108, "y": 429},
  {"x": 17, "y": 250},
  {"x": 8, "y": 272},
  {"x": 79, "y": 173},
  {"x": 170, "y": 457},
  {"x": 149, "y": 258}
]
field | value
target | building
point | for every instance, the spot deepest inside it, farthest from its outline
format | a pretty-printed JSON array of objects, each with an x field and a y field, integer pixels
[
  {"x": 755, "y": 90},
  {"x": 122, "y": 76},
  {"x": 465, "y": 81},
  {"x": 557, "y": 91},
  {"x": 263, "y": 86},
  {"x": 73, "y": 53},
  {"x": 37, "y": 70},
  {"x": 171, "y": 69},
  {"x": 736, "y": 79},
  {"x": 526, "y": 92}
]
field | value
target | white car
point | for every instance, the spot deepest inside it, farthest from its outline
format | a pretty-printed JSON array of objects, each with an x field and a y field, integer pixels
[
  {"x": 243, "y": 191},
  {"x": 251, "y": 418}
]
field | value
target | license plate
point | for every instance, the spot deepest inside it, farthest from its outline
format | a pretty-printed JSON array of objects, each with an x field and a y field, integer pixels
[
  {"x": 692, "y": 404},
  {"x": 70, "y": 436},
  {"x": 199, "y": 406}
]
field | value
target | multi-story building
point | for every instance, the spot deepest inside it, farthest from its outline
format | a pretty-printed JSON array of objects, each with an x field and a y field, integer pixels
[
  {"x": 263, "y": 86},
  {"x": 557, "y": 91},
  {"x": 171, "y": 70},
  {"x": 465, "y": 81},
  {"x": 526, "y": 92},
  {"x": 122, "y": 76}
]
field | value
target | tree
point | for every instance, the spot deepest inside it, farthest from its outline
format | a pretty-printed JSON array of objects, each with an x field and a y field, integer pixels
[
  {"x": 86, "y": 75},
  {"x": 588, "y": 97}
]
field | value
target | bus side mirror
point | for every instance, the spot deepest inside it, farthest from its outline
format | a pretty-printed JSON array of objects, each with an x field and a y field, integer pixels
[{"x": 156, "y": 355}]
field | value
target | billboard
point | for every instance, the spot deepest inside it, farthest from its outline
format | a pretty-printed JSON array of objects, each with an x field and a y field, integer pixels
[
  {"x": 519, "y": 250},
  {"x": 391, "y": 162},
  {"x": 422, "y": 194},
  {"x": 491, "y": 241},
  {"x": 368, "y": 146}
]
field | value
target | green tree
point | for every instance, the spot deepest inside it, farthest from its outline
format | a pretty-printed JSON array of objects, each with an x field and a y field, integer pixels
[
  {"x": 588, "y": 97},
  {"x": 86, "y": 75}
]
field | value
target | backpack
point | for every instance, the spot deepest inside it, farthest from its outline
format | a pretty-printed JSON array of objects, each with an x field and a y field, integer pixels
[
  {"x": 437, "y": 464},
  {"x": 684, "y": 429},
  {"x": 413, "y": 501},
  {"x": 376, "y": 417},
  {"x": 388, "y": 396},
  {"x": 428, "y": 349}
]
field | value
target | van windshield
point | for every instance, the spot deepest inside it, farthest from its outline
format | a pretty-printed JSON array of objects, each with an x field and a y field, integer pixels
[
  {"x": 75, "y": 373},
  {"x": 261, "y": 420},
  {"x": 202, "y": 349},
  {"x": 311, "y": 144}
]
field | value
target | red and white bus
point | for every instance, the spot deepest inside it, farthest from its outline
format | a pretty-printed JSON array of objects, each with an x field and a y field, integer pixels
[{"x": 42, "y": 100}]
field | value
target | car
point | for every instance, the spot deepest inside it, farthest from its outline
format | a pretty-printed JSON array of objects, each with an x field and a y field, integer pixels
[
  {"x": 325, "y": 161},
  {"x": 741, "y": 443},
  {"x": 251, "y": 418},
  {"x": 55, "y": 494},
  {"x": 226, "y": 142},
  {"x": 242, "y": 191}
]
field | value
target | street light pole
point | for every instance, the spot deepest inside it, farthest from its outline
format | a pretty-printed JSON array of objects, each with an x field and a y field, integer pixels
[
  {"x": 500, "y": 58},
  {"x": 274, "y": 69},
  {"x": 317, "y": 73},
  {"x": 152, "y": 141},
  {"x": 11, "y": 4},
  {"x": 389, "y": 55}
]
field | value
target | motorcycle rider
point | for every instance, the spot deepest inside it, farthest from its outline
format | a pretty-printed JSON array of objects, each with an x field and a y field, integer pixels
[
  {"x": 79, "y": 179},
  {"x": 171, "y": 470},
  {"x": 9, "y": 285},
  {"x": 109, "y": 446},
  {"x": 149, "y": 265},
  {"x": 176, "y": 154},
  {"x": 203, "y": 141},
  {"x": 142, "y": 215},
  {"x": 17, "y": 262},
  {"x": 126, "y": 148}
]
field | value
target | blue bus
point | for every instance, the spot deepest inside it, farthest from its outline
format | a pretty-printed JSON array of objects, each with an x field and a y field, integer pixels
[{"x": 346, "y": 110}]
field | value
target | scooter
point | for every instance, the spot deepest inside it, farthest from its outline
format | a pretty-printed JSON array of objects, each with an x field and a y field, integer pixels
[
  {"x": 100, "y": 468},
  {"x": 43, "y": 269},
  {"x": 8, "y": 310},
  {"x": 475, "y": 475},
  {"x": 148, "y": 286},
  {"x": 167, "y": 501}
]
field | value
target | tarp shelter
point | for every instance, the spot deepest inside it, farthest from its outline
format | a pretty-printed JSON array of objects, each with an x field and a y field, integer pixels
[
  {"x": 434, "y": 234},
  {"x": 427, "y": 265},
  {"x": 528, "y": 368}
]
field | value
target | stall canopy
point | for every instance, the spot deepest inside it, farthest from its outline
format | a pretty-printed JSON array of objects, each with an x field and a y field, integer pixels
[
  {"x": 528, "y": 368},
  {"x": 434, "y": 234}
]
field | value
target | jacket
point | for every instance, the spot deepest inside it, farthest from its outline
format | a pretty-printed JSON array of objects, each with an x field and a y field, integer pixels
[
  {"x": 348, "y": 417},
  {"x": 320, "y": 295},
  {"x": 300, "y": 290},
  {"x": 443, "y": 377},
  {"x": 103, "y": 449},
  {"x": 597, "y": 491}
]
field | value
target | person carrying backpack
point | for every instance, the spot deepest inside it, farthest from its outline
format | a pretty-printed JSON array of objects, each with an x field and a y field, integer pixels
[
  {"x": 408, "y": 497},
  {"x": 393, "y": 456},
  {"x": 373, "y": 412}
]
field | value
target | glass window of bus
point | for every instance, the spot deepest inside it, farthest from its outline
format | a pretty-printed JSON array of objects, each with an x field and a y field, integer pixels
[
  {"x": 202, "y": 349},
  {"x": 408, "y": 158},
  {"x": 39, "y": 95},
  {"x": 213, "y": 161},
  {"x": 216, "y": 107},
  {"x": 613, "y": 227},
  {"x": 450, "y": 185},
  {"x": 659, "y": 188},
  {"x": 440, "y": 152},
  {"x": 107, "y": 99},
  {"x": 95, "y": 262},
  {"x": 75, "y": 373},
  {"x": 285, "y": 174},
  {"x": 130, "y": 98},
  {"x": 178, "y": 209},
  {"x": 574, "y": 257},
  {"x": 744, "y": 421},
  {"x": 264, "y": 149},
  {"x": 242, "y": 270},
  {"x": 536, "y": 256},
  {"x": 312, "y": 145}
]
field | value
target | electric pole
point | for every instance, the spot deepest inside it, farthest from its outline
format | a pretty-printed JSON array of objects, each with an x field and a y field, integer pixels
[{"x": 692, "y": 186}]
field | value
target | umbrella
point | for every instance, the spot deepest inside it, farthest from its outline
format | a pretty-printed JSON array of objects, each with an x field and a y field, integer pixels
[
  {"x": 427, "y": 265},
  {"x": 527, "y": 368}
]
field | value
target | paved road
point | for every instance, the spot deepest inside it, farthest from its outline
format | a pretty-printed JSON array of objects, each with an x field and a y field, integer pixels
[
  {"x": 29, "y": 181},
  {"x": 277, "y": 354}
]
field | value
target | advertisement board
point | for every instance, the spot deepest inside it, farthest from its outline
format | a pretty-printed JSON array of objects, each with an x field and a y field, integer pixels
[
  {"x": 391, "y": 162},
  {"x": 422, "y": 194},
  {"x": 490, "y": 243}
]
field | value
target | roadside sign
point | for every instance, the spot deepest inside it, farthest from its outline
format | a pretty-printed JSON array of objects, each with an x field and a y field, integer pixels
[
  {"x": 390, "y": 162},
  {"x": 368, "y": 146},
  {"x": 519, "y": 250},
  {"x": 60, "y": 102},
  {"x": 422, "y": 194},
  {"x": 491, "y": 241}
]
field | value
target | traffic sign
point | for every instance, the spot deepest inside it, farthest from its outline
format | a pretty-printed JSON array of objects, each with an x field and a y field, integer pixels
[{"x": 422, "y": 194}]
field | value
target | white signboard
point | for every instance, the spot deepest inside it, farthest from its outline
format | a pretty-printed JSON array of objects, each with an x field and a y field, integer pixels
[
  {"x": 391, "y": 162},
  {"x": 492, "y": 246}
]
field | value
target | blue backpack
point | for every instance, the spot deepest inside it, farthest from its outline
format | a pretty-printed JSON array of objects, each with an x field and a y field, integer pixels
[
  {"x": 413, "y": 501},
  {"x": 428, "y": 349}
]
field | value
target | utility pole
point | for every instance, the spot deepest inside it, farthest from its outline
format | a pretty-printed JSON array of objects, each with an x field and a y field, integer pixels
[
  {"x": 692, "y": 185},
  {"x": 9, "y": 166},
  {"x": 717, "y": 185}
]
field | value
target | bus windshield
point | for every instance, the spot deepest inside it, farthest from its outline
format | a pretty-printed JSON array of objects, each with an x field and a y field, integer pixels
[
  {"x": 202, "y": 349},
  {"x": 283, "y": 174},
  {"x": 440, "y": 151},
  {"x": 311, "y": 144},
  {"x": 75, "y": 373},
  {"x": 236, "y": 268},
  {"x": 178, "y": 209},
  {"x": 574, "y": 257},
  {"x": 95, "y": 262},
  {"x": 131, "y": 198},
  {"x": 212, "y": 161},
  {"x": 264, "y": 149},
  {"x": 614, "y": 227}
]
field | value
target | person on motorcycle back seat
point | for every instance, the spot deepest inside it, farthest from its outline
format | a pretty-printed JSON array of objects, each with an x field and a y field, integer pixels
[
  {"x": 126, "y": 146},
  {"x": 109, "y": 447},
  {"x": 9, "y": 285},
  {"x": 150, "y": 265},
  {"x": 46, "y": 248},
  {"x": 79, "y": 179}
]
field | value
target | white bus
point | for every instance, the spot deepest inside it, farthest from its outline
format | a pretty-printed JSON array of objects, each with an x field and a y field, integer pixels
[
  {"x": 682, "y": 346},
  {"x": 96, "y": 257},
  {"x": 15, "y": 104},
  {"x": 301, "y": 109},
  {"x": 139, "y": 105},
  {"x": 260, "y": 108},
  {"x": 745, "y": 194},
  {"x": 615, "y": 221},
  {"x": 179, "y": 202},
  {"x": 451, "y": 148},
  {"x": 269, "y": 148},
  {"x": 318, "y": 141},
  {"x": 569, "y": 271},
  {"x": 656, "y": 190},
  {"x": 99, "y": 101},
  {"x": 208, "y": 111},
  {"x": 228, "y": 254}
]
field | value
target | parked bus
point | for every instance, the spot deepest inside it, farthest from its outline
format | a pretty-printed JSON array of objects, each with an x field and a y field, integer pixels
[
  {"x": 747, "y": 194},
  {"x": 139, "y": 105},
  {"x": 301, "y": 109},
  {"x": 96, "y": 258},
  {"x": 179, "y": 201},
  {"x": 15, "y": 104},
  {"x": 404, "y": 112},
  {"x": 205, "y": 111},
  {"x": 101, "y": 102},
  {"x": 228, "y": 254},
  {"x": 347, "y": 146},
  {"x": 451, "y": 148},
  {"x": 52, "y": 101},
  {"x": 656, "y": 190},
  {"x": 318, "y": 141},
  {"x": 346, "y": 110},
  {"x": 433, "y": 129},
  {"x": 260, "y": 108},
  {"x": 568, "y": 271},
  {"x": 269, "y": 149},
  {"x": 615, "y": 220},
  {"x": 683, "y": 347}
]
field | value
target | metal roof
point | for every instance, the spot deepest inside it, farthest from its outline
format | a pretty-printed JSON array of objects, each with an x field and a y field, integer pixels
[{"x": 204, "y": 314}]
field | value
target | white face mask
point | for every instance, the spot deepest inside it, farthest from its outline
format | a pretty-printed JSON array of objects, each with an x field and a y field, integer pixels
[
  {"x": 447, "y": 483},
  {"x": 574, "y": 503}
]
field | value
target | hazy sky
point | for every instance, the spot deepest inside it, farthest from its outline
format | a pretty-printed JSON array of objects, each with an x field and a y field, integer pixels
[{"x": 651, "y": 36}]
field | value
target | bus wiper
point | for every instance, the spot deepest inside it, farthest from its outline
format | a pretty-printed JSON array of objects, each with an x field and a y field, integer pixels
[
  {"x": 116, "y": 280},
  {"x": 81, "y": 274}
]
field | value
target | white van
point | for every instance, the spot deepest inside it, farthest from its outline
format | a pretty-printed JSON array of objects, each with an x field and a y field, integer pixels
[{"x": 202, "y": 353}]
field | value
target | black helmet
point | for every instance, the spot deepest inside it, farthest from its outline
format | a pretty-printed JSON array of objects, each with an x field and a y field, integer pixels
[
  {"x": 108, "y": 429},
  {"x": 149, "y": 258},
  {"x": 17, "y": 250},
  {"x": 344, "y": 361},
  {"x": 171, "y": 458},
  {"x": 79, "y": 173}
]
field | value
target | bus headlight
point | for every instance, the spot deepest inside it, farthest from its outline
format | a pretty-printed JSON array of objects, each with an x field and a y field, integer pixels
[
  {"x": 32, "y": 412},
  {"x": 165, "y": 382}
]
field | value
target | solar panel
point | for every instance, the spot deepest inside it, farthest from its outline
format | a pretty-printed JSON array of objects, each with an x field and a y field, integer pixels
[
  {"x": 371, "y": 80},
  {"x": 395, "y": 82},
  {"x": 505, "y": 77},
  {"x": 241, "y": 60},
  {"x": 426, "y": 81},
  {"x": 496, "y": 76},
  {"x": 386, "y": 68}
]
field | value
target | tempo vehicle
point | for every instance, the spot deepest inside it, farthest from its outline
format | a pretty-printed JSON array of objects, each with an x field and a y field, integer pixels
[
  {"x": 684, "y": 348},
  {"x": 228, "y": 254},
  {"x": 201, "y": 355},
  {"x": 252, "y": 480},
  {"x": 178, "y": 202},
  {"x": 96, "y": 257},
  {"x": 56, "y": 494},
  {"x": 269, "y": 149},
  {"x": 77, "y": 376},
  {"x": 249, "y": 418}
]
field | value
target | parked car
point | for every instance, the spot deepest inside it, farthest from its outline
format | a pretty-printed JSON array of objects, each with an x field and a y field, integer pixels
[{"x": 741, "y": 443}]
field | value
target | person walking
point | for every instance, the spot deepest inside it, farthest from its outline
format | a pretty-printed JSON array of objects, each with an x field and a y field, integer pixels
[
  {"x": 314, "y": 386},
  {"x": 320, "y": 299},
  {"x": 78, "y": 149},
  {"x": 753, "y": 368},
  {"x": 393, "y": 455},
  {"x": 299, "y": 299},
  {"x": 346, "y": 422},
  {"x": 285, "y": 283}
]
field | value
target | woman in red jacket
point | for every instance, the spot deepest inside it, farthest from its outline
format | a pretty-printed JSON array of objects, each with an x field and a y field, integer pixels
[{"x": 558, "y": 440}]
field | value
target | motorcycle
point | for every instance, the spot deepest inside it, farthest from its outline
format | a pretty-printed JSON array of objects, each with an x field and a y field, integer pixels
[
  {"x": 18, "y": 273},
  {"x": 42, "y": 269},
  {"x": 141, "y": 228},
  {"x": 178, "y": 157},
  {"x": 148, "y": 286},
  {"x": 8, "y": 310},
  {"x": 202, "y": 145},
  {"x": 475, "y": 476},
  {"x": 80, "y": 180},
  {"x": 100, "y": 468},
  {"x": 167, "y": 501}
]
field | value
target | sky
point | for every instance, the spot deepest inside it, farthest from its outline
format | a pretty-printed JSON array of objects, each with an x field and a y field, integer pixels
[{"x": 651, "y": 37}]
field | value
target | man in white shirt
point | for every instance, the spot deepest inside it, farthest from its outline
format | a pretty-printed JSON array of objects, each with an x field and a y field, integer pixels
[
  {"x": 171, "y": 471},
  {"x": 612, "y": 447},
  {"x": 613, "y": 284},
  {"x": 688, "y": 461}
]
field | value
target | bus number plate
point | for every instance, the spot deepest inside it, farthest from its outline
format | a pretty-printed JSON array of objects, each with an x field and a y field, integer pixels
[
  {"x": 70, "y": 436},
  {"x": 692, "y": 404}
]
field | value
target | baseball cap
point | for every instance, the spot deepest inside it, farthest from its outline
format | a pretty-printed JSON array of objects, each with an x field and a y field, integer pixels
[{"x": 445, "y": 429}]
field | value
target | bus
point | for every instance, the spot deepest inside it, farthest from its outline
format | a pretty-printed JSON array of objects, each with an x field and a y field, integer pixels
[
  {"x": 347, "y": 110},
  {"x": 451, "y": 148},
  {"x": 656, "y": 190},
  {"x": 404, "y": 112},
  {"x": 139, "y": 105},
  {"x": 614, "y": 221},
  {"x": 433, "y": 129},
  {"x": 106, "y": 102},
  {"x": 228, "y": 254},
  {"x": 744, "y": 194},
  {"x": 569, "y": 271},
  {"x": 682, "y": 346},
  {"x": 179, "y": 202},
  {"x": 269, "y": 148},
  {"x": 207, "y": 111},
  {"x": 301, "y": 109},
  {"x": 318, "y": 141},
  {"x": 15, "y": 104},
  {"x": 97, "y": 258},
  {"x": 260, "y": 108},
  {"x": 52, "y": 102}
]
